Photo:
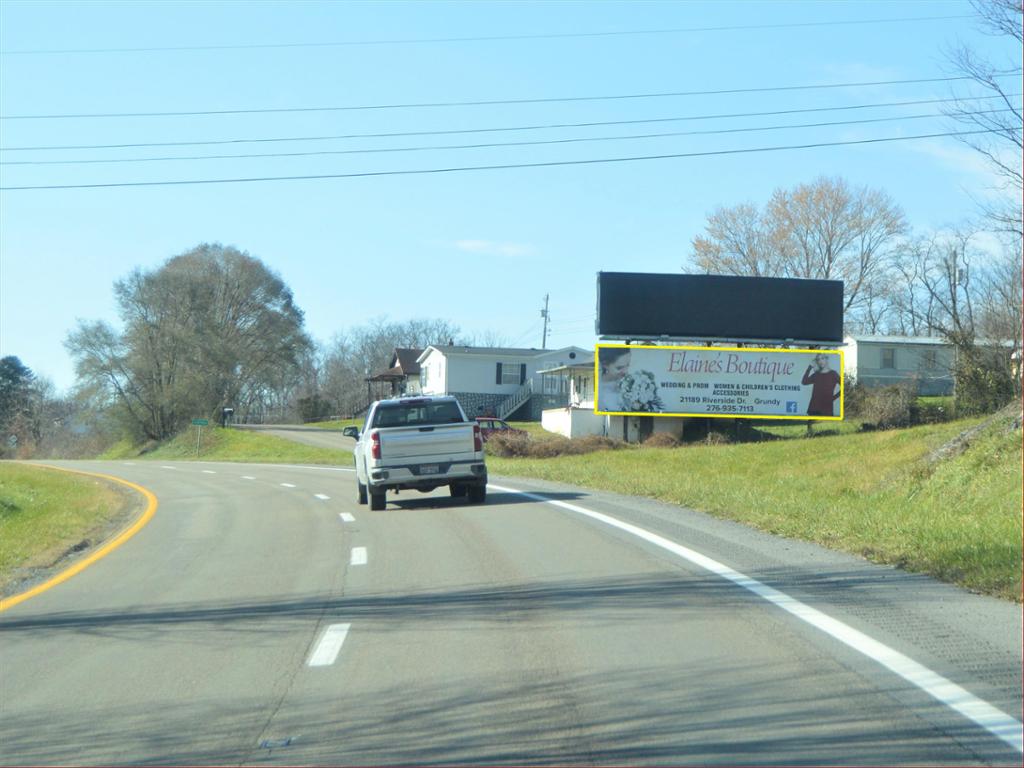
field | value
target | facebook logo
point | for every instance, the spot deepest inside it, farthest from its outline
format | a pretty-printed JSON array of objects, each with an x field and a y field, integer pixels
[{"x": 791, "y": 406}]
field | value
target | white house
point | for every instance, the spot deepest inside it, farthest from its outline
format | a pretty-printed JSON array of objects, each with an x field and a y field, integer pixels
[
  {"x": 504, "y": 382},
  {"x": 878, "y": 361},
  {"x": 577, "y": 417}
]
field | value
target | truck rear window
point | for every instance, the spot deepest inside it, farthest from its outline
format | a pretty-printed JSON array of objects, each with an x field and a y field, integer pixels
[{"x": 417, "y": 415}]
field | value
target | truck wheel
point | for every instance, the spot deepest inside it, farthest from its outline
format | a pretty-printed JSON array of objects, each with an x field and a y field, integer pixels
[
  {"x": 377, "y": 501},
  {"x": 477, "y": 494},
  {"x": 457, "y": 490},
  {"x": 360, "y": 492}
]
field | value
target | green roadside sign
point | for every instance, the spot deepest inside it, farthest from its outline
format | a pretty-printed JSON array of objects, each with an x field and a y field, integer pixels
[{"x": 200, "y": 422}]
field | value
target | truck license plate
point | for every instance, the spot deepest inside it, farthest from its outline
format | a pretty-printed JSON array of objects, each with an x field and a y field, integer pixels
[{"x": 428, "y": 469}]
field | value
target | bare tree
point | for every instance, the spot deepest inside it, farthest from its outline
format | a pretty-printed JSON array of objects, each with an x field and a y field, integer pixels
[
  {"x": 1000, "y": 315},
  {"x": 360, "y": 352},
  {"x": 944, "y": 273},
  {"x": 825, "y": 230},
  {"x": 739, "y": 241},
  {"x": 212, "y": 327},
  {"x": 999, "y": 118},
  {"x": 971, "y": 297}
]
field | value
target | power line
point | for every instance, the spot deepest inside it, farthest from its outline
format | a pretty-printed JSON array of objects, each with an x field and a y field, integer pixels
[
  {"x": 504, "y": 166},
  {"x": 491, "y": 102},
  {"x": 536, "y": 127},
  {"x": 482, "y": 38},
  {"x": 489, "y": 145},
  {"x": 533, "y": 329}
]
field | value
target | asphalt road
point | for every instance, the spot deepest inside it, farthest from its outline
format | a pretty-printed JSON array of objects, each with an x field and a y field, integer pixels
[{"x": 262, "y": 617}]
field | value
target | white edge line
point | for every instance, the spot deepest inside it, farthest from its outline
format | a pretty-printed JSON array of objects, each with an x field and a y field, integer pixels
[
  {"x": 992, "y": 719},
  {"x": 327, "y": 649},
  {"x": 359, "y": 556},
  {"x": 346, "y": 517}
]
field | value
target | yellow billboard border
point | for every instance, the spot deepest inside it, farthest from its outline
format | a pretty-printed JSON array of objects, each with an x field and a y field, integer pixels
[{"x": 805, "y": 417}]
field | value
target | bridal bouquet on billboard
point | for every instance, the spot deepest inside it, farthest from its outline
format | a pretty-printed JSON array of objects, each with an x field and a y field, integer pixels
[{"x": 639, "y": 392}]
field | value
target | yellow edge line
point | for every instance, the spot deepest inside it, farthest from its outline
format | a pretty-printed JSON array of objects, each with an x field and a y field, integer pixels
[{"x": 106, "y": 549}]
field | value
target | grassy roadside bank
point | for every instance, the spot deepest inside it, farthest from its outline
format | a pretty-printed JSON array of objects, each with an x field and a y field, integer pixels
[
  {"x": 216, "y": 444},
  {"x": 872, "y": 494},
  {"x": 46, "y": 514}
]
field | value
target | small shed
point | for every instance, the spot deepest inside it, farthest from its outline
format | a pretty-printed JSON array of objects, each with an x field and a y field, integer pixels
[{"x": 401, "y": 378}]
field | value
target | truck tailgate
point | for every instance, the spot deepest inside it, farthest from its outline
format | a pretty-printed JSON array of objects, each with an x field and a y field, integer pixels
[{"x": 424, "y": 442}]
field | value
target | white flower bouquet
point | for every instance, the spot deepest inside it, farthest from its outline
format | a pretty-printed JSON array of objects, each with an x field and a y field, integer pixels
[{"x": 640, "y": 393}]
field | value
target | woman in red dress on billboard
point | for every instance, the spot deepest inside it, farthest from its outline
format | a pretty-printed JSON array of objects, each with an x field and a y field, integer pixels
[{"x": 826, "y": 387}]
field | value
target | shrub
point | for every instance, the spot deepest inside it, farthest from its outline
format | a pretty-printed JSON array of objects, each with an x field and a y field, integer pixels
[
  {"x": 888, "y": 407},
  {"x": 983, "y": 384},
  {"x": 520, "y": 446},
  {"x": 592, "y": 443},
  {"x": 935, "y": 410},
  {"x": 549, "y": 447},
  {"x": 662, "y": 440},
  {"x": 509, "y": 445},
  {"x": 854, "y": 395}
]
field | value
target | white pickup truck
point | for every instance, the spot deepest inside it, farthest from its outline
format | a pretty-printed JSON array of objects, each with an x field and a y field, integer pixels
[{"x": 421, "y": 443}]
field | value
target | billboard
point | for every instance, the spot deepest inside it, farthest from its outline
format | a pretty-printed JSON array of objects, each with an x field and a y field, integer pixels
[
  {"x": 726, "y": 382},
  {"x": 635, "y": 305}
]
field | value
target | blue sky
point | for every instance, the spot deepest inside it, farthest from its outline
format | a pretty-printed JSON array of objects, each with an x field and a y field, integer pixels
[{"x": 478, "y": 248}]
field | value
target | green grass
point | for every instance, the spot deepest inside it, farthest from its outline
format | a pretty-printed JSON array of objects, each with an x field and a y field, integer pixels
[
  {"x": 238, "y": 445},
  {"x": 866, "y": 493},
  {"x": 532, "y": 427},
  {"x": 45, "y": 512}
]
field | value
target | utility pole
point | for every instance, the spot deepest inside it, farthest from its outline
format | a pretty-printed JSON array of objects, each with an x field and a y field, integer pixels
[{"x": 544, "y": 314}]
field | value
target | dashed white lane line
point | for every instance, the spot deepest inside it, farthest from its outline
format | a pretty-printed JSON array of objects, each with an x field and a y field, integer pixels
[
  {"x": 992, "y": 719},
  {"x": 346, "y": 517},
  {"x": 322, "y": 497},
  {"x": 166, "y": 467},
  {"x": 359, "y": 556},
  {"x": 287, "y": 485},
  {"x": 326, "y": 651},
  {"x": 248, "y": 477},
  {"x": 209, "y": 472}
]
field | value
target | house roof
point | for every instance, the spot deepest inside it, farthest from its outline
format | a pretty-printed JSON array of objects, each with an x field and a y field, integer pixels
[
  {"x": 936, "y": 340},
  {"x": 405, "y": 361},
  {"x": 898, "y": 339},
  {"x": 585, "y": 363},
  {"x": 496, "y": 351}
]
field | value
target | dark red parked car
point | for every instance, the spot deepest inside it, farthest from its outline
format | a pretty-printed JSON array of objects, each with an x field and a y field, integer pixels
[{"x": 490, "y": 426}]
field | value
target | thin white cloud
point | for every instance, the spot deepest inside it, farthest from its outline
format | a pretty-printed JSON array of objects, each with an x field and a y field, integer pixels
[
  {"x": 959, "y": 157},
  {"x": 493, "y": 248}
]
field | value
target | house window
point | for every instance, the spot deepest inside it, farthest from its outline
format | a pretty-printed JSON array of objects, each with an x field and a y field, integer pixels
[
  {"x": 553, "y": 385},
  {"x": 888, "y": 357},
  {"x": 582, "y": 388},
  {"x": 928, "y": 360},
  {"x": 511, "y": 373}
]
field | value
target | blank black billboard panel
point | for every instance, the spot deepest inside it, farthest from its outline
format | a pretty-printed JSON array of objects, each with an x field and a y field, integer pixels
[{"x": 635, "y": 305}]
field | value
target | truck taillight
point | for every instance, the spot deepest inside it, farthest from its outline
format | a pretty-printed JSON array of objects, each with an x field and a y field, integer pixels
[
  {"x": 375, "y": 445},
  {"x": 478, "y": 441}
]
